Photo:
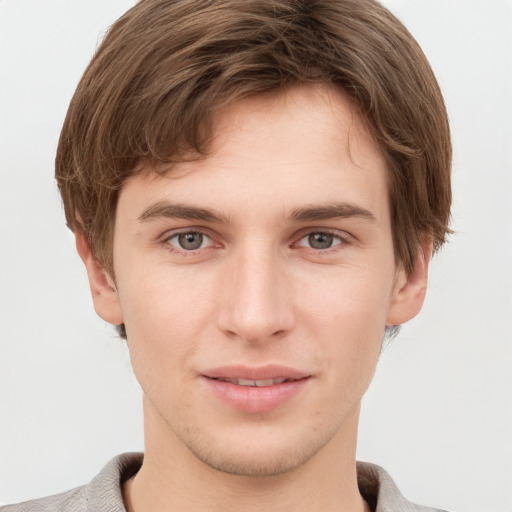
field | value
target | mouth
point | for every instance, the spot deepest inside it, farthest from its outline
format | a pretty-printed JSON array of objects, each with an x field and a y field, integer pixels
[
  {"x": 256, "y": 390},
  {"x": 255, "y": 383},
  {"x": 255, "y": 376}
]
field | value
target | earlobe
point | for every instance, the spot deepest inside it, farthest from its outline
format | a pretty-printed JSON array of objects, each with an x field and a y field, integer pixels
[
  {"x": 410, "y": 290},
  {"x": 103, "y": 288}
]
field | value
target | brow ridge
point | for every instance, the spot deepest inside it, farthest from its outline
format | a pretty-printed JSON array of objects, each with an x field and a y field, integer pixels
[
  {"x": 331, "y": 211},
  {"x": 164, "y": 209}
]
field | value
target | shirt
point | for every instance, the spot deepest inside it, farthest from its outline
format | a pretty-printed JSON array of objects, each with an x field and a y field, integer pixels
[{"x": 104, "y": 492}]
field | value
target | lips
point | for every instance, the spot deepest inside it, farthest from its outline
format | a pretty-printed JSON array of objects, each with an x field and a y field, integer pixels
[
  {"x": 257, "y": 383},
  {"x": 255, "y": 373},
  {"x": 254, "y": 390}
]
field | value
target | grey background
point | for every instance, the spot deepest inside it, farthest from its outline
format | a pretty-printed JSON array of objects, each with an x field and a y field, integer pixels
[{"x": 438, "y": 415}]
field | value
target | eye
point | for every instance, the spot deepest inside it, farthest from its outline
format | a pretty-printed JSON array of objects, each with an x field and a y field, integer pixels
[
  {"x": 320, "y": 240},
  {"x": 189, "y": 240}
]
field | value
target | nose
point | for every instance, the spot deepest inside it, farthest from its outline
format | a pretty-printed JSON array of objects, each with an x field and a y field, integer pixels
[{"x": 256, "y": 304}]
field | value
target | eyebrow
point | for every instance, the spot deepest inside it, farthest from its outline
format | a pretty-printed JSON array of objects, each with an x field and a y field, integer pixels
[
  {"x": 179, "y": 211},
  {"x": 331, "y": 211},
  {"x": 165, "y": 209}
]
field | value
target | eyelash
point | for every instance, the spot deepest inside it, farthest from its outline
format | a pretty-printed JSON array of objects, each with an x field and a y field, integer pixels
[
  {"x": 166, "y": 241},
  {"x": 341, "y": 241}
]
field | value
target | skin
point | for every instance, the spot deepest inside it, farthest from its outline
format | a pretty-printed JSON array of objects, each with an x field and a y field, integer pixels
[{"x": 271, "y": 283}]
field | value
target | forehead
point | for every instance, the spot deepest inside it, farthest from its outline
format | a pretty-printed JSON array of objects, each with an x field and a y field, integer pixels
[{"x": 304, "y": 145}]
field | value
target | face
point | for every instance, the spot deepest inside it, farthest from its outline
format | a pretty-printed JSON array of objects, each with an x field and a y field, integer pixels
[{"x": 255, "y": 284}]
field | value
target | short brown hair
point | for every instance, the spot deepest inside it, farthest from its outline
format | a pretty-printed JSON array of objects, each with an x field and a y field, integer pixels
[{"x": 165, "y": 66}]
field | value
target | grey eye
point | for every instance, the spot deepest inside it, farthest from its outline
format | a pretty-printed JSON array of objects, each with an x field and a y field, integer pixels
[
  {"x": 189, "y": 241},
  {"x": 320, "y": 240}
]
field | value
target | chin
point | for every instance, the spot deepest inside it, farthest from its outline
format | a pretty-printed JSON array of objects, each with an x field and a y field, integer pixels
[
  {"x": 258, "y": 453},
  {"x": 263, "y": 464}
]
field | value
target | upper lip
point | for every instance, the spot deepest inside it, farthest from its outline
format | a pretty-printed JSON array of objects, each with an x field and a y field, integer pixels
[{"x": 255, "y": 372}]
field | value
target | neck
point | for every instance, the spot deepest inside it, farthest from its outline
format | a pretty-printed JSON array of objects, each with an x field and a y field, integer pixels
[{"x": 172, "y": 478}]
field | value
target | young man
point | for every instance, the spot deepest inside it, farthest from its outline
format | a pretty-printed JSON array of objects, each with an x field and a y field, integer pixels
[{"x": 256, "y": 189}]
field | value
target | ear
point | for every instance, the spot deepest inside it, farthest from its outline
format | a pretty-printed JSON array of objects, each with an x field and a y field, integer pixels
[
  {"x": 409, "y": 291},
  {"x": 103, "y": 288}
]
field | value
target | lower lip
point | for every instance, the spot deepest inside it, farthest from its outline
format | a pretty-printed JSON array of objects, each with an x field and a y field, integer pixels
[{"x": 253, "y": 398}]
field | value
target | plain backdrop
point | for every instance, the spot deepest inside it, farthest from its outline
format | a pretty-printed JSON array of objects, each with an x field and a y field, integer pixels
[{"x": 438, "y": 415}]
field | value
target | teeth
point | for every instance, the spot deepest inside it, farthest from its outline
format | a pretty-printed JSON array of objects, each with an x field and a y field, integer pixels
[
  {"x": 257, "y": 383},
  {"x": 262, "y": 383},
  {"x": 245, "y": 382}
]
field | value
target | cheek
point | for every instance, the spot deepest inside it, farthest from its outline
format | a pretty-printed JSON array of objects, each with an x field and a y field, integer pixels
[
  {"x": 347, "y": 318},
  {"x": 165, "y": 319},
  {"x": 349, "y": 301},
  {"x": 162, "y": 302}
]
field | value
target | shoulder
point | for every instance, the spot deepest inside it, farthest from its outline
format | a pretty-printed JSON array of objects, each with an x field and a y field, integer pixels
[
  {"x": 70, "y": 500},
  {"x": 382, "y": 494},
  {"x": 104, "y": 492}
]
